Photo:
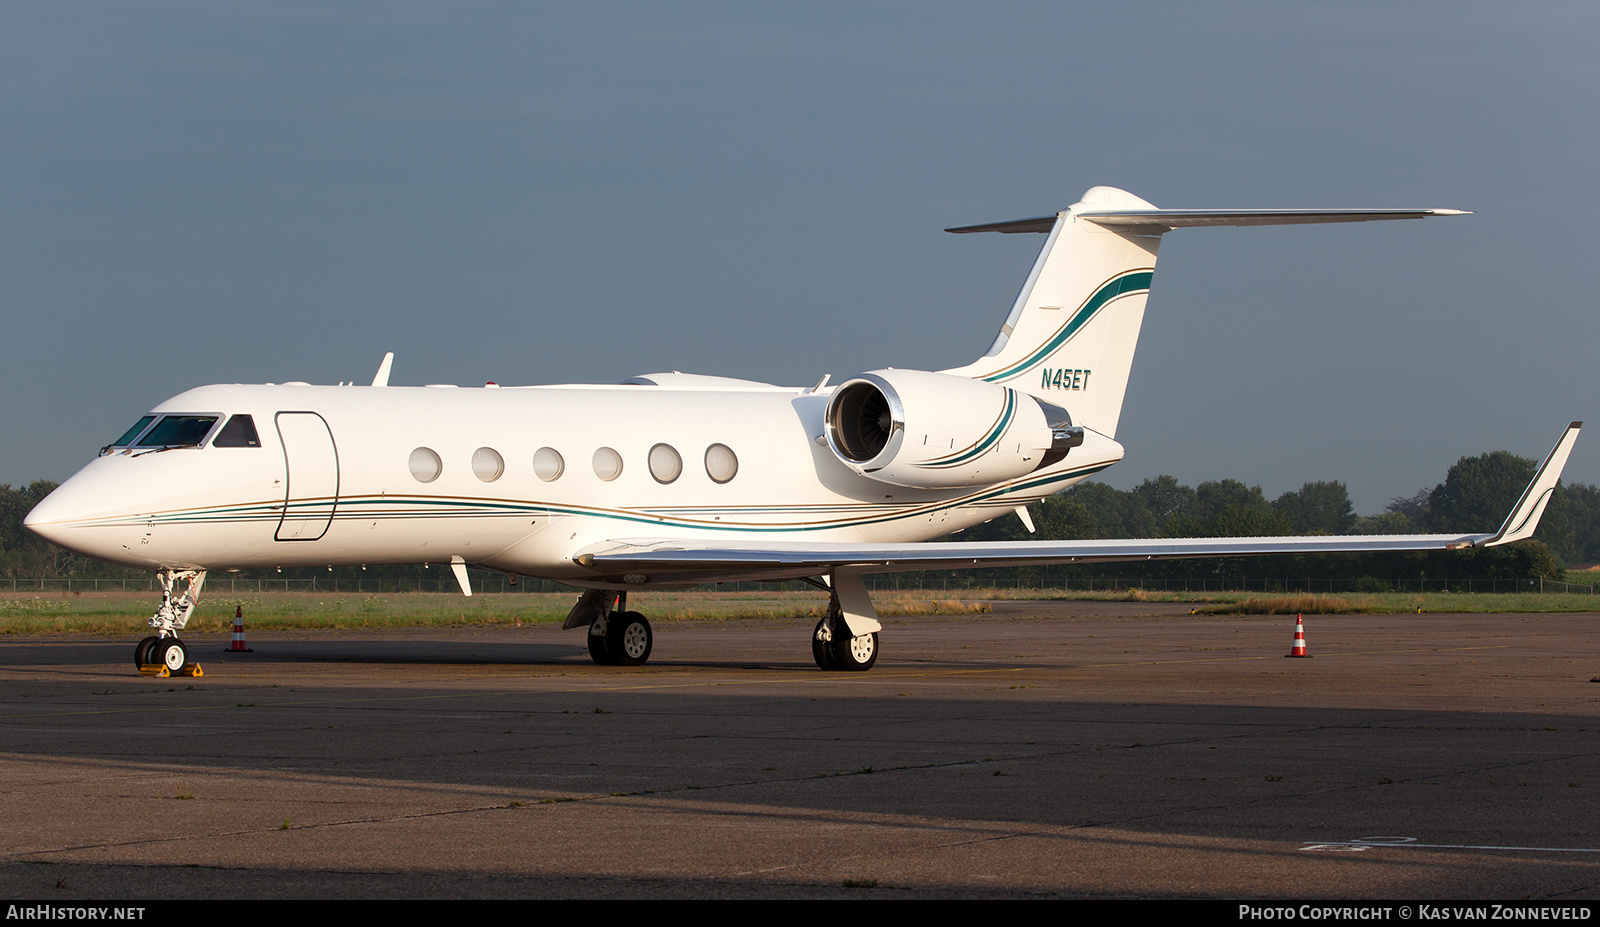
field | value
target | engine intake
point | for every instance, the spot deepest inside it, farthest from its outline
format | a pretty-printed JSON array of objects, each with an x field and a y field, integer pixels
[{"x": 864, "y": 414}]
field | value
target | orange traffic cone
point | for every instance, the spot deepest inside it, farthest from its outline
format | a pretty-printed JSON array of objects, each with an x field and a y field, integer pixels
[
  {"x": 238, "y": 645},
  {"x": 1299, "y": 649}
]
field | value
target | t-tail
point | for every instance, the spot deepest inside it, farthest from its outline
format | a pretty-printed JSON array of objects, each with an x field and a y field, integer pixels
[{"x": 1072, "y": 332}]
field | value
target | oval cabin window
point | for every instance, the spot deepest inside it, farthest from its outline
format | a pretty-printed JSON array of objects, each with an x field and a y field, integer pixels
[
  {"x": 425, "y": 465},
  {"x": 665, "y": 464},
  {"x": 547, "y": 464},
  {"x": 722, "y": 464},
  {"x": 607, "y": 464},
  {"x": 487, "y": 464}
]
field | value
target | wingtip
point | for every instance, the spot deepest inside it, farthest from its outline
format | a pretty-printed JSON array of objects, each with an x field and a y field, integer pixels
[{"x": 1525, "y": 515}]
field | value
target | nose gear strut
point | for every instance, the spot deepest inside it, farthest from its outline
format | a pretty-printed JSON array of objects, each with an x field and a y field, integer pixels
[{"x": 163, "y": 654}]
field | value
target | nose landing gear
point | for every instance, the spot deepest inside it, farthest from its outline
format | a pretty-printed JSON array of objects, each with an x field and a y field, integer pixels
[{"x": 163, "y": 654}]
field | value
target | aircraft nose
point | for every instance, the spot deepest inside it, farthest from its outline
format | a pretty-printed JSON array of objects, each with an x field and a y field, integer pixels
[
  {"x": 51, "y": 519},
  {"x": 72, "y": 515}
]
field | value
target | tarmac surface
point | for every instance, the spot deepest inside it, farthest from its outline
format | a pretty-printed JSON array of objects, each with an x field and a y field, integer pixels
[{"x": 1069, "y": 750}]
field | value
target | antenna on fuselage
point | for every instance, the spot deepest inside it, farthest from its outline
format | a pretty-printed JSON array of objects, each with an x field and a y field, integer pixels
[{"x": 381, "y": 378}]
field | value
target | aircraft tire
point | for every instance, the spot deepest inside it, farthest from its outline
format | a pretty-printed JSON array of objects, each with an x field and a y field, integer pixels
[
  {"x": 629, "y": 639},
  {"x": 599, "y": 652},
  {"x": 170, "y": 652},
  {"x": 855, "y": 654},
  {"x": 821, "y": 650},
  {"x": 141, "y": 651}
]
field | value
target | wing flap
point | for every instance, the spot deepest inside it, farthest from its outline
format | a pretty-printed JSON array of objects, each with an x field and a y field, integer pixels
[{"x": 643, "y": 555}]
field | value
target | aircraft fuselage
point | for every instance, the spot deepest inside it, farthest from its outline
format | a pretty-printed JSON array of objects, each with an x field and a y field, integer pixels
[{"x": 344, "y": 475}]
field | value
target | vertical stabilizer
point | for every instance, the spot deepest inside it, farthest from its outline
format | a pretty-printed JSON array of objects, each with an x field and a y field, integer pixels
[{"x": 1071, "y": 335}]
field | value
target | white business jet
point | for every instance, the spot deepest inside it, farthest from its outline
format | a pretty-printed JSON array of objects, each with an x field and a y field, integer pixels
[{"x": 671, "y": 480}]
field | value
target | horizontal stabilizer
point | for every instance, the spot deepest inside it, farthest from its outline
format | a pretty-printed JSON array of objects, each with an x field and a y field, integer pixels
[
  {"x": 1167, "y": 219},
  {"x": 1042, "y": 225},
  {"x": 1194, "y": 218}
]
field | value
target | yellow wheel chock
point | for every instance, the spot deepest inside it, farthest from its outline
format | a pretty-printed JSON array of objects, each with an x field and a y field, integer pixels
[{"x": 160, "y": 671}]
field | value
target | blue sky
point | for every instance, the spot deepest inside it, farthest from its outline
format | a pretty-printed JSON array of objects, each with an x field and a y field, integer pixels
[{"x": 582, "y": 192}]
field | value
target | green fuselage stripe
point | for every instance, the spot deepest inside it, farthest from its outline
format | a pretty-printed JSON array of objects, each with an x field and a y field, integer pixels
[
  {"x": 358, "y": 508},
  {"x": 1006, "y": 415},
  {"x": 1133, "y": 282}
]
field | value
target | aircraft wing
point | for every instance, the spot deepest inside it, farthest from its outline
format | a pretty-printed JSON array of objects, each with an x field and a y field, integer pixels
[{"x": 717, "y": 559}]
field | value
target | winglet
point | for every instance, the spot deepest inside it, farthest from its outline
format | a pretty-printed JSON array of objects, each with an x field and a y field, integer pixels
[
  {"x": 381, "y": 378},
  {"x": 1524, "y": 518}
]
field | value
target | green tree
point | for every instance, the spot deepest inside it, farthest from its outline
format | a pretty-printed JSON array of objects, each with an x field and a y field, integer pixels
[
  {"x": 1067, "y": 518},
  {"x": 23, "y": 553},
  {"x": 1478, "y": 492},
  {"x": 1163, "y": 497},
  {"x": 1116, "y": 514},
  {"x": 1413, "y": 507},
  {"x": 1212, "y": 496},
  {"x": 1582, "y": 507},
  {"x": 1248, "y": 521},
  {"x": 1318, "y": 508},
  {"x": 1387, "y": 523}
]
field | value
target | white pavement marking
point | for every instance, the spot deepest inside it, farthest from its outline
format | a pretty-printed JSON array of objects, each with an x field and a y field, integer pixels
[{"x": 1368, "y": 843}]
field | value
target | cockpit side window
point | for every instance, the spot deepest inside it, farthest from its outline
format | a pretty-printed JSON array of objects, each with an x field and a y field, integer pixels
[
  {"x": 178, "y": 431},
  {"x": 128, "y": 436},
  {"x": 239, "y": 432},
  {"x": 131, "y": 433}
]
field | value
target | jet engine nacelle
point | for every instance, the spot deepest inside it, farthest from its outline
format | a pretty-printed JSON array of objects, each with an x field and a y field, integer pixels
[{"x": 933, "y": 430}]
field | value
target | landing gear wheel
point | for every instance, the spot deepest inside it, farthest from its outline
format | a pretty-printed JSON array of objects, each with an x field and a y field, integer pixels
[
  {"x": 629, "y": 639},
  {"x": 856, "y": 654},
  {"x": 141, "y": 652},
  {"x": 821, "y": 646},
  {"x": 599, "y": 650},
  {"x": 169, "y": 652}
]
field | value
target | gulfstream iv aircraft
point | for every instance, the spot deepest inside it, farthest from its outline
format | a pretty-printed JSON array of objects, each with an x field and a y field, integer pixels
[{"x": 671, "y": 480}]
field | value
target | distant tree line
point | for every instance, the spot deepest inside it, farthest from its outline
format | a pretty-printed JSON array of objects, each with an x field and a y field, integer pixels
[{"x": 1475, "y": 496}]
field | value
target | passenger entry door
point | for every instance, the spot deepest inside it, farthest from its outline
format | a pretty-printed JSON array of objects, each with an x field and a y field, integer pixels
[{"x": 311, "y": 483}]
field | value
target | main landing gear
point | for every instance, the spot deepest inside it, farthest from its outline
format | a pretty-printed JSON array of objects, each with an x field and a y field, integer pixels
[
  {"x": 162, "y": 653},
  {"x": 617, "y": 637},
  {"x": 845, "y": 640},
  {"x": 834, "y": 649},
  {"x": 833, "y": 645}
]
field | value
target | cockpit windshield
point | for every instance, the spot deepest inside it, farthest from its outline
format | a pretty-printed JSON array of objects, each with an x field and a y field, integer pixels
[
  {"x": 178, "y": 431},
  {"x": 134, "y": 432}
]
